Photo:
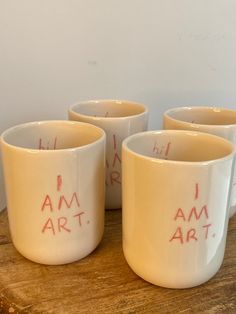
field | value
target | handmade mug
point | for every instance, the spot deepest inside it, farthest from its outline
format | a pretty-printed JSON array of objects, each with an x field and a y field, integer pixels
[
  {"x": 217, "y": 121},
  {"x": 175, "y": 197},
  {"x": 54, "y": 177},
  {"x": 119, "y": 119}
]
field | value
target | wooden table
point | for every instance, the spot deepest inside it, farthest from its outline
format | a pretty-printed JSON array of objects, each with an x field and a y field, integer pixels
[{"x": 104, "y": 283}]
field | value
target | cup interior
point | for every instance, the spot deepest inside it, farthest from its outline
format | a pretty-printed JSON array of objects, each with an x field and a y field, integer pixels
[
  {"x": 108, "y": 108},
  {"x": 52, "y": 135},
  {"x": 203, "y": 115},
  {"x": 187, "y": 146}
]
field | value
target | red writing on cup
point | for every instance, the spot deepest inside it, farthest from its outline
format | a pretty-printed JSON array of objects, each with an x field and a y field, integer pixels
[
  {"x": 161, "y": 150},
  {"x": 48, "y": 144},
  {"x": 61, "y": 224},
  {"x": 187, "y": 233},
  {"x": 54, "y": 224},
  {"x": 113, "y": 175}
]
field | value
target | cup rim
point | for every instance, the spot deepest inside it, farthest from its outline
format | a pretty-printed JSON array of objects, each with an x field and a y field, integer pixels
[
  {"x": 72, "y": 107},
  {"x": 206, "y": 108},
  {"x": 178, "y": 162},
  {"x": 50, "y": 151}
]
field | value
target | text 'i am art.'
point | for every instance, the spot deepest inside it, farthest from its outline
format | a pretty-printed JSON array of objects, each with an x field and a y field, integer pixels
[
  {"x": 69, "y": 208},
  {"x": 187, "y": 231}
]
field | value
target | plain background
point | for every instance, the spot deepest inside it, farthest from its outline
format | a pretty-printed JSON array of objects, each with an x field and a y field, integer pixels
[{"x": 164, "y": 53}]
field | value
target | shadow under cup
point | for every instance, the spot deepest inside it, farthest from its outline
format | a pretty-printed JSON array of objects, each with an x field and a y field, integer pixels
[
  {"x": 175, "y": 205},
  {"x": 54, "y": 177}
]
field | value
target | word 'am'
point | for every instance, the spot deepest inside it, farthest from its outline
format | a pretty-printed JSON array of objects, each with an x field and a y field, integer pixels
[{"x": 62, "y": 202}]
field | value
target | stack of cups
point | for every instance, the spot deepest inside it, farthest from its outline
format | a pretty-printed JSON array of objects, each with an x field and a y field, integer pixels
[{"x": 176, "y": 187}]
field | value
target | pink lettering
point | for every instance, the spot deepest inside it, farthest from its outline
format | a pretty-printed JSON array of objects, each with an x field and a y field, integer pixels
[
  {"x": 68, "y": 204},
  {"x": 206, "y": 227},
  {"x": 55, "y": 143},
  {"x": 156, "y": 149},
  {"x": 116, "y": 157},
  {"x": 62, "y": 221},
  {"x": 79, "y": 217},
  {"x": 59, "y": 183},
  {"x": 40, "y": 144},
  {"x": 193, "y": 212},
  {"x": 178, "y": 235},
  {"x": 47, "y": 202},
  {"x": 191, "y": 234},
  {"x": 196, "y": 191},
  {"x": 114, "y": 142},
  {"x": 115, "y": 177},
  {"x": 167, "y": 149},
  {"x": 180, "y": 214},
  {"x": 48, "y": 226},
  {"x": 162, "y": 150},
  {"x": 47, "y": 146}
]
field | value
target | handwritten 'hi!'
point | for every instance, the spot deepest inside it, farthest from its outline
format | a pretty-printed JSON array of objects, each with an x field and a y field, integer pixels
[
  {"x": 51, "y": 206},
  {"x": 186, "y": 217}
]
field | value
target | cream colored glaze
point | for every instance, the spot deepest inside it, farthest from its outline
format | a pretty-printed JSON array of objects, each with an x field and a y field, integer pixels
[
  {"x": 119, "y": 119},
  {"x": 54, "y": 177},
  {"x": 217, "y": 121},
  {"x": 175, "y": 213}
]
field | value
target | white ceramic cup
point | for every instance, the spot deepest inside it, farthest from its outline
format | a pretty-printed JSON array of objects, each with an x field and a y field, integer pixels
[
  {"x": 175, "y": 198},
  {"x": 217, "y": 121},
  {"x": 54, "y": 177},
  {"x": 119, "y": 119}
]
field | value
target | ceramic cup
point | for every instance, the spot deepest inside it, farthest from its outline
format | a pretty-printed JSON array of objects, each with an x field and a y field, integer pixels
[
  {"x": 217, "y": 121},
  {"x": 54, "y": 178},
  {"x": 118, "y": 119},
  {"x": 175, "y": 199}
]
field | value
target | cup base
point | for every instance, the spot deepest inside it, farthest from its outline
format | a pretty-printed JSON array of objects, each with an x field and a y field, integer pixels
[
  {"x": 58, "y": 257},
  {"x": 180, "y": 281}
]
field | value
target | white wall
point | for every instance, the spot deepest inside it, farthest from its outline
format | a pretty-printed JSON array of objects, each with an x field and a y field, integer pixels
[{"x": 163, "y": 53}]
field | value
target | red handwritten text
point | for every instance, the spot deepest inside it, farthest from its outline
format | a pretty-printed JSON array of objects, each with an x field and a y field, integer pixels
[
  {"x": 58, "y": 225},
  {"x": 61, "y": 203},
  {"x": 63, "y": 224},
  {"x": 48, "y": 144},
  {"x": 162, "y": 150},
  {"x": 185, "y": 235},
  {"x": 193, "y": 214},
  {"x": 113, "y": 175}
]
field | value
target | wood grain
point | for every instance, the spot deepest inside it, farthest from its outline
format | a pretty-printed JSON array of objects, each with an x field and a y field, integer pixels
[{"x": 104, "y": 283}]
